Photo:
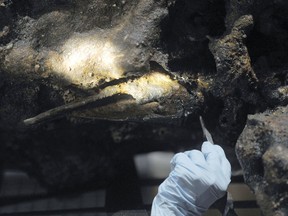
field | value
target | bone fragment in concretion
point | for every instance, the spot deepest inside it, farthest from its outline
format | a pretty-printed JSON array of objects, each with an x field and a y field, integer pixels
[
  {"x": 126, "y": 99},
  {"x": 86, "y": 103}
]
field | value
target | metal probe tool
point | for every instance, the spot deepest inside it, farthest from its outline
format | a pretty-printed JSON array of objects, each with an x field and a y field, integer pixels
[
  {"x": 205, "y": 131},
  {"x": 224, "y": 204}
]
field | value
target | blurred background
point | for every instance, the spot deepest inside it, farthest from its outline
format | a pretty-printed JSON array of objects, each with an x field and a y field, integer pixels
[{"x": 21, "y": 195}]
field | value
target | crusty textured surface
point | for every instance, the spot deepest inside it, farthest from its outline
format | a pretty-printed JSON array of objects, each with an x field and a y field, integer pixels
[
  {"x": 262, "y": 150},
  {"x": 222, "y": 59}
]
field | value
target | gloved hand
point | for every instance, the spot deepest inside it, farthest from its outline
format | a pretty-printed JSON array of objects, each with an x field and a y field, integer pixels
[{"x": 197, "y": 179}]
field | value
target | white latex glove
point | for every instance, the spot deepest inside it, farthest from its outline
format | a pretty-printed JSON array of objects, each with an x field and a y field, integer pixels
[{"x": 197, "y": 179}]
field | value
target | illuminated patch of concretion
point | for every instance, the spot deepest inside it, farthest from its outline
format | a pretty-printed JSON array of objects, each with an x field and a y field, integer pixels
[
  {"x": 146, "y": 91},
  {"x": 85, "y": 59},
  {"x": 147, "y": 88}
]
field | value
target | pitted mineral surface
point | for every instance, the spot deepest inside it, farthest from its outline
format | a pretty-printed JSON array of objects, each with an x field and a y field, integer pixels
[{"x": 262, "y": 150}]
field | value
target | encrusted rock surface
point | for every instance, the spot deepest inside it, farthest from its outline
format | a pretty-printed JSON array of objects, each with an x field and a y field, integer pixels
[
  {"x": 262, "y": 150},
  {"x": 160, "y": 64},
  {"x": 234, "y": 72}
]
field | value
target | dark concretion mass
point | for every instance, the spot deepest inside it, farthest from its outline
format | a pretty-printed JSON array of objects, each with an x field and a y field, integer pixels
[
  {"x": 225, "y": 59},
  {"x": 262, "y": 149}
]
